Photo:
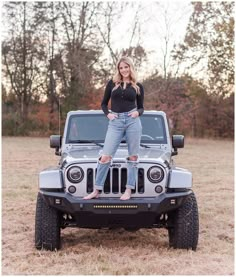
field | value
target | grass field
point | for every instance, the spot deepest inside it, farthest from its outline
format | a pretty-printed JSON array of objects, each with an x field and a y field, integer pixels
[{"x": 118, "y": 252}]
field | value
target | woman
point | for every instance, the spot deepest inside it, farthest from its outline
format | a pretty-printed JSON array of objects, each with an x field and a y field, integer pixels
[{"x": 126, "y": 106}]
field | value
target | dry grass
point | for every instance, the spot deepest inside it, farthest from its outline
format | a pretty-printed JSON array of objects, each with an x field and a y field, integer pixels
[{"x": 104, "y": 252}]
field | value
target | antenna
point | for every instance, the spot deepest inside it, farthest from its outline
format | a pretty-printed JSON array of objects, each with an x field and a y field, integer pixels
[{"x": 59, "y": 115}]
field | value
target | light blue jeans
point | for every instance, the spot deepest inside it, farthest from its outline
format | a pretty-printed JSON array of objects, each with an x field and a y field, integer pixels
[{"x": 119, "y": 127}]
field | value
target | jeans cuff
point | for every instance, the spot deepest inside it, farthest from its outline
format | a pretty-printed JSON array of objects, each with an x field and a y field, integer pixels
[
  {"x": 130, "y": 187},
  {"x": 98, "y": 187}
]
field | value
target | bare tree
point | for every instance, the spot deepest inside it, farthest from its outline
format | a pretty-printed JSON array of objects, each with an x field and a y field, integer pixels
[
  {"x": 47, "y": 16},
  {"x": 110, "y": 13},
  {"x": 209, "y": 44},
  {"x": 80, "y": 51},
  {"x": 163, "y": 18},
  {"x": 22, "y": 53}
]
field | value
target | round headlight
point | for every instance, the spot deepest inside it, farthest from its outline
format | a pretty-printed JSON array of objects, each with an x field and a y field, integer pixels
[
  {"x": 75, "y": 174},
  {"x": 155, "y": 174}
]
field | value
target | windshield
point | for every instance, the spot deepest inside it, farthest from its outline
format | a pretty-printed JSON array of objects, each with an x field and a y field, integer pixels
[{"x": 93, "y": 127}]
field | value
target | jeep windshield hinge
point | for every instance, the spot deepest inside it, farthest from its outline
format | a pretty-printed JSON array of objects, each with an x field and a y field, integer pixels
[
  {"x": 174, "y": 152},
  {"x": 57, "y": 151}
]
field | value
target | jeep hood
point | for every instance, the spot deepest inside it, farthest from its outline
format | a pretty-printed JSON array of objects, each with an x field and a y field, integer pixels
[{"x": 91, "y": 154}]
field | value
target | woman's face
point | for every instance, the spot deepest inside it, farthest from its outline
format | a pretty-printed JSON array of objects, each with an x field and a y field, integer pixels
[{"x": 124, "y": 70}]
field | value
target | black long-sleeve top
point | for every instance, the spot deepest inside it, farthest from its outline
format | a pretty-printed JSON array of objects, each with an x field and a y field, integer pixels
[{"x": 122, "y": 100}]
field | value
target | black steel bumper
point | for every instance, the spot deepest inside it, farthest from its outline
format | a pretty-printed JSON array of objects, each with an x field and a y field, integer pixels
[{"x": 158, "y": 205}]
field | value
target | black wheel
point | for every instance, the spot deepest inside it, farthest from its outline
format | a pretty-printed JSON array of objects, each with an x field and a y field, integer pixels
[
  {"x": 184, "y": 225},
  {"x": 47, "y": 226}
]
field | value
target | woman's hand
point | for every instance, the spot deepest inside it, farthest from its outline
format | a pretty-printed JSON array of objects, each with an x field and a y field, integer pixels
[
  {"x": 134, "y": 114},
  {"x": 111, "y": 116}
]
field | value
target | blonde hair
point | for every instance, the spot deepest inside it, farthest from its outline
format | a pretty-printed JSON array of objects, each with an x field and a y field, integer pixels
[{"x": 117, "y": 78}]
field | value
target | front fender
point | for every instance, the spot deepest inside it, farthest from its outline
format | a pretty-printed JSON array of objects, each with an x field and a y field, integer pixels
[
  {"x": 51, "y": 178},
  {"x": 180, "y": 178}
]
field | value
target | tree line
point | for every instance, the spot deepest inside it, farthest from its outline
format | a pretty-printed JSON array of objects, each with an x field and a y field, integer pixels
[{"x": 58, "y": 56}]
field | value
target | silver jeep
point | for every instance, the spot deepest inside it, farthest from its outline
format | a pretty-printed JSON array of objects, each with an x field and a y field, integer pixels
[{"x": 163, "y": 197}]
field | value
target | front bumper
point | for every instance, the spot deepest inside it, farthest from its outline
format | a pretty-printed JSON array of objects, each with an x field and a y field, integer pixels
[
  {"x": 161, "y": 204},
  {"x": 112, "y": 212}
]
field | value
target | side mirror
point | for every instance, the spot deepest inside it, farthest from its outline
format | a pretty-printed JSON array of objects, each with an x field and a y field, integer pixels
[
  {"x": 55, "y": 142},
  {"x": 177, "y": 142}
]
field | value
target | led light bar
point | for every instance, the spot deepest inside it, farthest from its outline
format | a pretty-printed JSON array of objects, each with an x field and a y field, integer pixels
[{"x": 115, "y": 206}]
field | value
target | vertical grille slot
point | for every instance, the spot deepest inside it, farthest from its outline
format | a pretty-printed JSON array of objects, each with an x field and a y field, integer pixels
[
  {"x": 115, "y": 180},
  {"x": 123, "y": 179},
  {"x": 140, "y": 180},
  {"x": 107, "y": 187},
  {"x": 89, "y": 180}
]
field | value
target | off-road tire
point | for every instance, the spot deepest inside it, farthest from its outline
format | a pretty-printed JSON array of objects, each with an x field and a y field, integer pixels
[
  {"x": 47, "y": 226},
  {"x": 184, "y": 225}
]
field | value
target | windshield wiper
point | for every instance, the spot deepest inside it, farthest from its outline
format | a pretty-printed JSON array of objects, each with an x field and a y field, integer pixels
[
  {"x": 145, "y": 146},
  {"x": 99, "y": 144},
  {"x": 85, "y": 141}
]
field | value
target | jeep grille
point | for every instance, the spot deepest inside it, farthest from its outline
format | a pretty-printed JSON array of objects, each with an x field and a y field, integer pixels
[{"x": 116, "y": 181}]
